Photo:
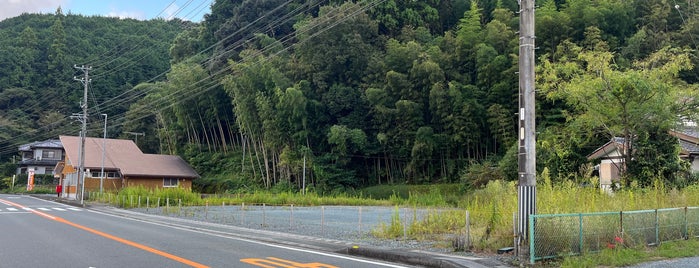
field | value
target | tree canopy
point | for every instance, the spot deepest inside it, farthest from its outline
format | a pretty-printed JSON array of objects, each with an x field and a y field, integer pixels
[{"x": 348, "y": 94}]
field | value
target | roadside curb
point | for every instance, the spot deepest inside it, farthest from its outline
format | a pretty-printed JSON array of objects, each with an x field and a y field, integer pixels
[
  {"x": 407, "y": 257},
  {"x": 418, "y": 258}
]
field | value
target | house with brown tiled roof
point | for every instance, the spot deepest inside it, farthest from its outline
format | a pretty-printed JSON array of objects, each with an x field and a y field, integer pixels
[{"x": 124, "y": 164}]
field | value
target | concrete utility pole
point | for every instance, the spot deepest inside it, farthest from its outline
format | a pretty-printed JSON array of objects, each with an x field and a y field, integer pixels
[
  {"x": 526, "y": 190},
  {"x": 81, "y": 169},
  {"x": 136, "y": 134},
  {"x": 104, "y": 149}
]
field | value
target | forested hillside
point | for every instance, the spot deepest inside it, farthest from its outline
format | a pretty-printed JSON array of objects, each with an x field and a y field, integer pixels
[
  {"x": 346, "y": 94},
  {"x": 37, "y": 57}
]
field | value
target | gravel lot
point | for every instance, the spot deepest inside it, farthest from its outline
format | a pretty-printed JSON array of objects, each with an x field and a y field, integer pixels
[{"x": 345, "y": 223}]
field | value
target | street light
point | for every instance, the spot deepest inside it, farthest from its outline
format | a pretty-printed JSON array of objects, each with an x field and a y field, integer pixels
[{"x": 104, "y": 142}]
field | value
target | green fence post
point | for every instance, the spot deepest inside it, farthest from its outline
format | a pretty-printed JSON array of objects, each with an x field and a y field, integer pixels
[
  {"x": 657, "y": 227},
  {"x": 581, "y": 233},
  {"x": 531, "y": 239},
  {"x": 684, "y": 231},
  {"x": 621, "y": 223}
]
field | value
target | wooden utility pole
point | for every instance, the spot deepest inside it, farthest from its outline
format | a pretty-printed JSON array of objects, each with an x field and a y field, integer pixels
[{"x": 526, "y": 189}]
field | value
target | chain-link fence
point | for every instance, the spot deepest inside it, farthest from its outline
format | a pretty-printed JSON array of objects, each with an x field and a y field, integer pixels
[{"x": 555, "y": 235}]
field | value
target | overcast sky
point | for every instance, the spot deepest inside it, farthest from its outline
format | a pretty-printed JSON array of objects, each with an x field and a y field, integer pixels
[{"x": 192, "y": 10}]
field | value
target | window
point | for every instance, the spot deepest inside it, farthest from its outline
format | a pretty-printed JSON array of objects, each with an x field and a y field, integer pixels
[
  {"x": 170, "y": 182},
  {"x": 48, "y": 154},
  {"x": 109, "y": 174}
]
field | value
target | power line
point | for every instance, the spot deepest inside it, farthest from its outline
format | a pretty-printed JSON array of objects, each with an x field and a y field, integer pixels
[{"x": 202, "y": 88}]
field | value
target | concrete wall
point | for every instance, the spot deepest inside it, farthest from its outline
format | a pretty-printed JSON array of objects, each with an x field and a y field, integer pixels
[{"x": 609, "y": 171}]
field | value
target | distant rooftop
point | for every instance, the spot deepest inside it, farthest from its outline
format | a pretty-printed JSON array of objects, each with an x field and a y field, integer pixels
[{"x": 54, "y": 144}]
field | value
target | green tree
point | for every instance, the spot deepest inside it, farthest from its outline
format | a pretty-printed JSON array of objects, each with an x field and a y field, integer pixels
[{"x": 623, "y": 103}]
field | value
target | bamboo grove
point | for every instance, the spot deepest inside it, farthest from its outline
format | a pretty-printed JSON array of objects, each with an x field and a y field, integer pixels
[{"x": 337, "y": 95}]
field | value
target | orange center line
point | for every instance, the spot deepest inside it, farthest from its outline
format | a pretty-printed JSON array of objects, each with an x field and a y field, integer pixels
[{"x": 112, "y": 237}]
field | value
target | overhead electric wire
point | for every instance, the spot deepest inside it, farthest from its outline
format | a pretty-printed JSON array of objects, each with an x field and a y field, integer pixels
[
  {"x": 119, "y": 100},
  {"x": 116, "y": 52},
  {"x": 43, "y": 129},
  {"x": 216, "y": 83},
  {"x": 198, "y": 91},
  {"x": 116, "y": 48}
]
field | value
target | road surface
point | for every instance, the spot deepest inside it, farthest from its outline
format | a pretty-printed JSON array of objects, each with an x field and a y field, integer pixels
[{"x": 40, "y": 233}]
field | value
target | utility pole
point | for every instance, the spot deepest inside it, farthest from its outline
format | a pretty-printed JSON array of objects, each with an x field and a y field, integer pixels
[
  {"x": 81, "y": 168},
  {"x": 104, "y": 149},
  {"x": 136, "y": 134},
  {"x": 526, "y": 189}
]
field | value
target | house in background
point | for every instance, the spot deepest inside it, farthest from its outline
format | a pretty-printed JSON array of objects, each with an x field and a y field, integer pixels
[
  {"x": 689, "y": 144},
  {"x": 124, "y": 165},
  {"x": 42, "y": 156},
  {"x": 612, "y": 161}
]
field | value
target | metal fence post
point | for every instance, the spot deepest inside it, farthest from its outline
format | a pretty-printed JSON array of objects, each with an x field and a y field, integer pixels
[
  {"x": 291, "y": 217},
  {"x": 685, "y": 231},
  {"x": 621, "y": 223},
  {"x": 468, "y": 229},
  {"x": 657, "y": 228},
  {"x": 405, "y": 225},
  {"x": 264, "y": 216},
  {"x": 322, "y": 220},
  {"x": 581, "y": 233},
  {"x": 532, "y": 235},
  {"x": 360, "y": 222},
  {"x": 242, "y": 214},
  {"x": 514, "y": 231}
]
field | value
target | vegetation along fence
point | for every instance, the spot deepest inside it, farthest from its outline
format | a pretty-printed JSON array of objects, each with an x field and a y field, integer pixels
[
  {"x": 442, "y": 226},
  {"x": 556, "y": 235}
]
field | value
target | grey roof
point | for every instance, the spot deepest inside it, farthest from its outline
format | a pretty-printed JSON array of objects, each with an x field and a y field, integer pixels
[
  {"x": 689, "y": 138},
  {"x": 127, "y": 157},
  {"x": 690, "y": 147},
  {"x": 55, "y": 144},
  {"x": 614, "y": 144}
]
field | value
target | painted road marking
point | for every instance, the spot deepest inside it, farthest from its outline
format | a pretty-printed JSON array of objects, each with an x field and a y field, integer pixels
[
  {"x": 112, "y": 237},
  {"x": 272, "y": 262},
  {"x": 42, "y": 209}
]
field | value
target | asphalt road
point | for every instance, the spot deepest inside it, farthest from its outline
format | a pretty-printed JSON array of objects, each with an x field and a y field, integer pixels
[{"x": 40, "y": 233}]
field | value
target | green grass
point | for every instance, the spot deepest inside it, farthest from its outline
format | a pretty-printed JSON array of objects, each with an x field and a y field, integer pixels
[
  {"x": 630, "y": 256},
  {"x": 490, "y": 209},
  {"x": 38, "y": 189}
]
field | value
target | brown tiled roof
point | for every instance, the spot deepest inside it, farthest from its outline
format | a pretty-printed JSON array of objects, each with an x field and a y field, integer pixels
[{"x": 127, "y": 157}]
